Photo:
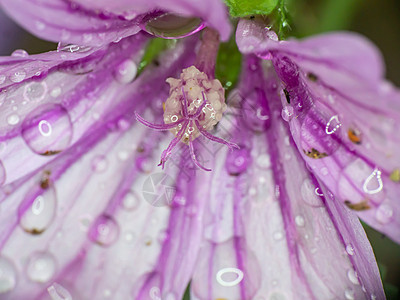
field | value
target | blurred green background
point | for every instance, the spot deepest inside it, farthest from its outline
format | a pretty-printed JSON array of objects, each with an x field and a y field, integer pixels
[{"x": 377, "y": 20}]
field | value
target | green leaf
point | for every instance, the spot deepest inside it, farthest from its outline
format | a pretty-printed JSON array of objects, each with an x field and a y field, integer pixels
[
  {"x": 227, "y": 68},
  {"x": 153, "y": 50},
  {"x": 242, "y": 8}
]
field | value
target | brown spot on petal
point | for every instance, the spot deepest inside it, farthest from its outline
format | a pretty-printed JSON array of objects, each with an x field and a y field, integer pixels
[
  {"x": 312, "y": 77},
  {"x": 287, "y": 95},
  {"x": 395, "y": 175},
  {"x": 45, "y": 180},
  {"x": 354, "y": 136},
  {"x": 34, "y": 231},
  {"x": 314, "y": 153},
  {"x": 49, "y": 153},
  {"x": 360, "y": 206}
]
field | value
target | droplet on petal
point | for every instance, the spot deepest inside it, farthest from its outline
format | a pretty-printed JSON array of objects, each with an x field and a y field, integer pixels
[
  {"x": 131, "y": 201},
  {"x": 104, "y": 231},
  {"x": 41, "y": 267},
  {"x": 172, "y": 26},
  {"x": 47, "y": 130},
  {"x": 20, "y": 53},
  {"x": 287, "y": 113},
  {"x": 39, "y": 214},
  {"x": 238, "y": 161},
  {"x": 99, "y": 164},
  {"x": 58, "y": 292},
  {"x": 373, "y": 184},
  {"x": 126, "y": 71},
  {"x": 18, "y": 76},
  {"x": 35, "y": 91},
  {"x": 349, "y": 249},
  {"x": 333, "y": 125},
  {"x": 353, "y": 277},
  {"x": 384, "y": 213},
  {"x": 8, "y": 275},
  {"x": 13, "y": 119},
  {"x": 229, "y": 277},
  {"x": 71, "y": 48}
]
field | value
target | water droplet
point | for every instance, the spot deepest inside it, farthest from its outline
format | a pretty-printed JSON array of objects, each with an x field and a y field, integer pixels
[
  {"x": 333, "y": 125},
  {"x": 299, "y": 220},
  {"x": 35, "y": 91},
  {"x": 384, "y": 213},
  {"x": 104, "y": 231},
  {"x": 123, "y": 155},
  {"x": 324, "y": 171},
  {"x": 373, "y": 297},
  {"x": 373, "y": 184},
  {"x": 170, "y": 296},
  {"x": 8, "y": 275},
  {"x": 237, "y": 161},
  {"x": 58, "y": 292},
  {"x": 47, "y": 130},
  {"x": 38, "y": 216},
  {"x": 172, "y": 26},
  {"x": 263, "y": 161},
  {"x": 71, "y": 48},
  {"x": 131, "y": 201},
  {"x": 13, "y": 119},
  {"x": 20, "y": 53},
  {"x": 18, "y": 76},
  {"x": 155, "y": 293},
  {"x": 349, "y": 294},
  {"x": 350, "y": 249},
  {"x": 287, "y": 113},
  {"x": 353, "y": 277},
  {"x": 126, "y": 71},
  {"x": 229, "y": 276},
  {"x": 40, "y": 26},
  {"x": 99, "y": 164},
  {"x": 277, "y": 236},
  {"x": 309, "y": 195},
  {"x": 41, "y": 267}
]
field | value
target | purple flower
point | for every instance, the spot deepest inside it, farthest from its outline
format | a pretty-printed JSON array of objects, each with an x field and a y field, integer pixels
[{"x": 86, "y": 212}]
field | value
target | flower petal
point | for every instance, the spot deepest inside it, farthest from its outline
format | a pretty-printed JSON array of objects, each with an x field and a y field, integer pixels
[
  {"x": 93, "y": 23},
  {"x": 90, "y": 209},
  {"x": 269, "y": 239},
  {"x": 344, "y": 119}
]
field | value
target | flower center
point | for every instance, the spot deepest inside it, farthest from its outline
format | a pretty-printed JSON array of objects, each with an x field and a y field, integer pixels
[{"x": 194, "y": 106}]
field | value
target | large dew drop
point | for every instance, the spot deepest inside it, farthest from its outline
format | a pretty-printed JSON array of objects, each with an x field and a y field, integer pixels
[
  {"x": 8, "y": 276},
  {"x": 104, "y": 231},
  {"x": 172, "y": 26},
  {"x": 47, "y": 130},
  {"x": 41, "y": 267},
  {"x": 37, "y": 215}
]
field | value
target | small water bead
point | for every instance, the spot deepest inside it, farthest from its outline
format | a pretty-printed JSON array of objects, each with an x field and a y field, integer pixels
[
  {"x": 229, "y": 277},
  {"x": 99, "y": 164},
  {"x": 131, "y": 200},
  {"x": 123, "y": 155},
  {"x": 384, "y": 214},
  {"x": 333, "y": 125},
  {"x": 353, "y": 277},
  {"x": 126, "y": 71},
  {"x": 13, "y": 119},
  {"x": 277, "y": 235},
  {"x": 39, "y": 25},
  {"x": 350, "y": 249},
  {"x": 20, "y": 53},
  {"x": 58, "y": 292},
  {"x": 41, "y": 267},
  {"x": 71, "y": 48},
  {"x": 287, "y": 113},
  {"x": 373, "y": 184},
  {"x": 47, "y": 130},
  {"x": 299, "y": 220},
  {"x": 263, "y": 161},
  {"x": 172, "y": 26},
  {"x": 18, "y": 76},
  {"x": 8, "y": 275},
  {"x": 349, "y": 294},
  {"x": 104, "y": 231},
  {"x": 308, "y": 193},
  {"x": 170, "y": 296},
  {"x": 237, "y": 161},
  {"x": 35, "y": 91},
  {"x": 324, "y": 171},
  {"x": 38, "y": 216}
]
